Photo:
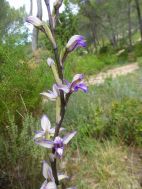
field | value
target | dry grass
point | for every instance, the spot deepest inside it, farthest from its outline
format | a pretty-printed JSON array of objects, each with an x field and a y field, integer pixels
[{"x": 106, "y": 166}]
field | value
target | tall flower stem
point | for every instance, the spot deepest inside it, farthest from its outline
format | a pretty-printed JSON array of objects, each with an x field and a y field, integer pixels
[
  {"x": 49, "y": 16},
  {"x": 53, "y": 33},
  {"x": 60, "y": 103}
]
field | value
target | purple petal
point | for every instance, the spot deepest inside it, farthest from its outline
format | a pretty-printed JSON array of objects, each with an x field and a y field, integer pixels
[
  {"x": 64, "y": 88},
  {"x": 48, "y": 185},
  {"x": 50, "y": 61},
  {"x": 68, "y": 137},
  {"x": 58, "y": 142},
  {"x": 59, "y": 152},
  {"x": 50, "y": 95},
  {"x": 39, "y": 134},
  {"x": 45, "y": 143},
  {"x": 55, "y": 90},
  {"x": 45, "y": 123},
  {"x": 81, "y": 86},
  {"x": 59, "y": 146},
  {"x": 47, "y": 171},
  {"x": 81, "y": 43},
  {"x": 51, "y": 185},
  {"x": 78, "y": 77},
  {"x": 44, "y": 184},
  {"x": 52, "y": 130},
  {"x": 67, "y": 83},
  {"x": 75, "y": 42}
]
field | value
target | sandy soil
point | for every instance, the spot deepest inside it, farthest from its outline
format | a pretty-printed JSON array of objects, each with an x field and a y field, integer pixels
[{"x": 113, "y": 73}]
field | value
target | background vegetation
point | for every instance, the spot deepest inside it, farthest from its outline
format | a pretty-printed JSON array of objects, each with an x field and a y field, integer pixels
[{"x": 108, "y": 118}]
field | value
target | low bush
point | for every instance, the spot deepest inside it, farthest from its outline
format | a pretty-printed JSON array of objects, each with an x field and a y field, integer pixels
[{"x": 19, "y": 155}]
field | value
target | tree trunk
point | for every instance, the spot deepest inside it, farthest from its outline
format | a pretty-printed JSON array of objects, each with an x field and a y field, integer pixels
[
  {"x": 139, "y": 16},
  {"x": 113, "y": 36},
  {"x": 35, "y": 32},
  {"x": 129, "y": 24},
  {"x": 94, "y": 37},
  {"x": 31, "y": 7}
]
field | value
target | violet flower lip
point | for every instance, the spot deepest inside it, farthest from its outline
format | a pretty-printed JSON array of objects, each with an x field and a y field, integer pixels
[
  {"x": 75, "y": 85},
  {"x": 57, "y": 144},
  {"x": 74, "y": 42}
]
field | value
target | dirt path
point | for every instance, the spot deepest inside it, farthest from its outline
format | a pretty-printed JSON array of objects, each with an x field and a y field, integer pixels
[{"x": 123, "y": 70}]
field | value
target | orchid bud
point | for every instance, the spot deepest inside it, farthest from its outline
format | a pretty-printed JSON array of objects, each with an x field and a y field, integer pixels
[
  {"x": 57, "y": 4},
  {"x": 75, "y": 42},
  {"x": 50, "y": 62},
  {"x": 35, "y": 21}
]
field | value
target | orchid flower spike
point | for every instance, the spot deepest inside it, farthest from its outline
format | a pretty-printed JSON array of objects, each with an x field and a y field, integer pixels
[
  {"x": 57, "y": 144},
  {"x": 46, "y": 131},
  {"x": 76, "y": 84},
  {"x": 35, "y": 21},
  {"x": 74, "y": 42},
  {"x": 51, "y": 95}
]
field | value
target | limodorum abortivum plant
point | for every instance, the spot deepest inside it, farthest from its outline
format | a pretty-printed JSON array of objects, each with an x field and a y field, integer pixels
[{"x": 51, "y": 137}]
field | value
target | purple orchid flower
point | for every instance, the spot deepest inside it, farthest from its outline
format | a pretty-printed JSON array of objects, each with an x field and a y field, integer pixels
[
  {"x": 57, "y": 144},
  {"x": 46, "y": 131},
  {"x": 74, "y": 42},
  {"x": 51, "y": 95},
  {"x": 75, "y": 85},
  {"x": 47, "y": 173}
]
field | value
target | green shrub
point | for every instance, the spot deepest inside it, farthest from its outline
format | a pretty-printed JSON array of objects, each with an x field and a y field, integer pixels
[
  {"x": 103, "y": 50},
  {"x": 20, "y": 88},
  {"x": 125, "y": 121},
  {"x": 19, "y": 155},
  {"x": 138, "y": 49}
]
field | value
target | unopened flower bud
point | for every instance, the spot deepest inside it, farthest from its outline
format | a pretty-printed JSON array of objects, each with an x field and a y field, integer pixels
[
  {"x": 57, "y": 4},
  {"x": 35, "y": 21},
  {"x": 50, "y": 62}
]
